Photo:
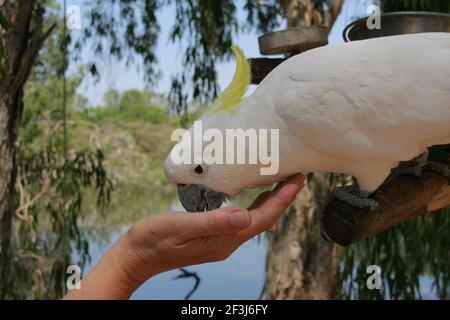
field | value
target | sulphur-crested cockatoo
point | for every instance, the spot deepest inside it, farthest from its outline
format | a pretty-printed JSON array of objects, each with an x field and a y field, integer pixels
[{"x": 358, "y": 108}]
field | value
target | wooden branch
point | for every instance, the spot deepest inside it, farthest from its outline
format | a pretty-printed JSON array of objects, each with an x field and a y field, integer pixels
[
  {"x": 402, "y": 198},
  {"x": 25, "y": 201},
  {"x": 261, "y": 67},
  {"x": 31, "y": 202}
]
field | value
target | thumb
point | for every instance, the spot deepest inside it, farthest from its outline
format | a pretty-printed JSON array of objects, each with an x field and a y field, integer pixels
[{"x": 216, "y": 222}]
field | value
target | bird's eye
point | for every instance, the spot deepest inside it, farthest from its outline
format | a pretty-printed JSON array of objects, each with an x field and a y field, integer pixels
[{"x": 198, "y": 169}]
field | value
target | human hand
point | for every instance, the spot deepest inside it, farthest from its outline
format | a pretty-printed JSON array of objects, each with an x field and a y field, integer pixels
[{"x": 172, "y": 240}]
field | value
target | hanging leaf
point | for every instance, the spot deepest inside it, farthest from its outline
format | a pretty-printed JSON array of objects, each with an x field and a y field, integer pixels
[{"x": 93, "y": 70}]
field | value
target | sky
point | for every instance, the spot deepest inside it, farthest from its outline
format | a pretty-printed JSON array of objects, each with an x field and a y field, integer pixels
[{"x": 117, "y": 75}]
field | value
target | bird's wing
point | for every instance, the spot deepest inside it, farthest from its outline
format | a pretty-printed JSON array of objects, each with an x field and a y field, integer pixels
[{"x": 385, "y": 98}]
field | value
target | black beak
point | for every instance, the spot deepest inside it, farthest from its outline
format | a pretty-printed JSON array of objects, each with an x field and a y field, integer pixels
[{"x": 195, "y": 198}]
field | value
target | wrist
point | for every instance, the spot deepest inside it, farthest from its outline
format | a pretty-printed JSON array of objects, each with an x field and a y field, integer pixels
[
  {"x": 114, "y": 276},
  {"x": 117, "y": 264},
  {"x": 130, "y": 265}
]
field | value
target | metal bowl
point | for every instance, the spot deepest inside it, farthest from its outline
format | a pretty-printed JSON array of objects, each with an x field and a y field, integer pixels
[{"x": 396, "y": 23}]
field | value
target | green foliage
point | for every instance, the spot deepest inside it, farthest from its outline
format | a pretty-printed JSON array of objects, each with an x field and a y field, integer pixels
[
  {"x": 126, "y": 29},
  {"x": 50, "y": 195},
  {"x": 412, "y": 250},
  {"x": 111, "y": 99},
  {"x": 50, "y": 189},
  {"x": 263, "y": 18},
  {"x": 135, "y": 105},
  {"x": 122, "y": 29},
  {"x": 130, "y": 106},
  {"x": 103, "y": 114},
  {"x": 135, "y": 139},
  {"x": 133, "y": 98},
  {"x": 42, "y": 112},
  {"x": 406, "y": 253}
]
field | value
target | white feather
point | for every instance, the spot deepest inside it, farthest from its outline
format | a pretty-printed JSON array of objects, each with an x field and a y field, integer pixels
[{"x": 356, "y": 108}]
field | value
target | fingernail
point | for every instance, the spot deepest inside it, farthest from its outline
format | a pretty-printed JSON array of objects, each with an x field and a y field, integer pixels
[{"x": 240, "y": 218}]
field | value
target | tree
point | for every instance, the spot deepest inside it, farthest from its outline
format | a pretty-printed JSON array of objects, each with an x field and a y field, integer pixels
[
  {"x": 22, "y": 34},
  {"x": 133, "y": 98},
  {"x": 111, "y": 99},
  {"x": 48, "y": 184}
]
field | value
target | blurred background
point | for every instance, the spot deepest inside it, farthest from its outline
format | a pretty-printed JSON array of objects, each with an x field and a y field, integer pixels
[{"x": 98, "y": 103}]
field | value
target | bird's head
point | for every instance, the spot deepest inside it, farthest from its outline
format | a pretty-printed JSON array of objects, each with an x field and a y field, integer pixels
[{"x": 204, "y": 184}]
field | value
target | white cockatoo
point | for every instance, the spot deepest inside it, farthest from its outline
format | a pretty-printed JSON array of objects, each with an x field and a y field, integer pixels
[{"x": 358, "y": 108}]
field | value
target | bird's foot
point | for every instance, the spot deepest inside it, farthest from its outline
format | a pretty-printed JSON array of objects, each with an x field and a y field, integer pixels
[{"x": 357, "y": 198}]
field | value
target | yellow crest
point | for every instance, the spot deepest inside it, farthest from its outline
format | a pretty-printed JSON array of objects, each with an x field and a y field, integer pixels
[{"x": 230, "y": 98}]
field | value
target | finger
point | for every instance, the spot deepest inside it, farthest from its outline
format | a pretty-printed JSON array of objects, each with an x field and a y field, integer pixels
[
  {"x": 268, "y": 207},
  {"x": 210, "y": 249},
  {"x": 259, "y": 200},
  {"x": 268, "y": 212},
  {"x": 213, "y": 223}
]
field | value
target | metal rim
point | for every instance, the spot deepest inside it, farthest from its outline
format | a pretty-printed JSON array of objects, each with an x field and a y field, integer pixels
[{"x": 350, "y": 26}]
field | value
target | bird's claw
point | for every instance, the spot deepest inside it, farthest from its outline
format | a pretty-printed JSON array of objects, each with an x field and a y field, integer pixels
[{"x": 357, "y": 198}]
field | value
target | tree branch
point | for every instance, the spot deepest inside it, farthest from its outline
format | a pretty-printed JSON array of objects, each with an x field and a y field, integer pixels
[
  {"x": 403, "y": 198},
  {"x": 37, "y": 40},
  {"x": 25, "y": 205},
  {"x": 19, "y": 16}
]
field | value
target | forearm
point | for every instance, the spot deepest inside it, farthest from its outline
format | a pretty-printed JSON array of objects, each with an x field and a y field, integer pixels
[{"x": 108, "y": 279}]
